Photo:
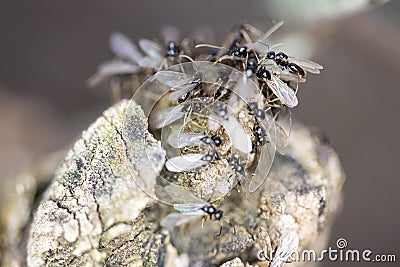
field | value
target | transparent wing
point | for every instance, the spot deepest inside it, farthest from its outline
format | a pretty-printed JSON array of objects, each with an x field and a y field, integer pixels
[
  {"x": 150, "y": 62},
  {"x": 111, "y": 68},
  {"x": 165, "y": 117},
  {"x": 283, "y": 123},
  {"x": 204, "y": 34},
  {"x": 284, "y": 93},
  {"x": 189, "y": 207},
  {"x": 173, "y": 78},
  {"x": 213, "y": 123},
  {"x": 152, "y": 49},
  {"x": 267, "y": 153},
  {"x": 285, "y": 75},
  {"x": 176, "y": 219},
  {"x": 252, "y": 31},
  {"x": 289, "y": 244},
  {"x": 183, "y": 89},
  {"x": 178, "y": 139},
  {"x": 170, "y": 34},
  {"x": 124, "y": 48},
  {"x": 261, "y": 45},
  {"x": 307, "y": 65},
  {"x": 117, "y": 67},
  {"x": 179, "y": 195},
  {"x": 244, "y": 90},
  {"x": 239, "y": 138},
  {"x": 185, "y": 162}
]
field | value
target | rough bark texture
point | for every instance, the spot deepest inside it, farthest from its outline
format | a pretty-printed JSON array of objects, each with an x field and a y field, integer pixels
[{"x": 93, "y": 213}]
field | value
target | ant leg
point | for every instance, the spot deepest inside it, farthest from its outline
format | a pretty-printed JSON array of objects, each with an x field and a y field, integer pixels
[
  {"x": 233, "y": 226},
  {"x": 116, "y": 90},
  {"x": 220, "y": 230}
]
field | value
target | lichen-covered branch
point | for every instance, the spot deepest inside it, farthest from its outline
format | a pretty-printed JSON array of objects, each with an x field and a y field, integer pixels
[{"x": 94, "y": 214}]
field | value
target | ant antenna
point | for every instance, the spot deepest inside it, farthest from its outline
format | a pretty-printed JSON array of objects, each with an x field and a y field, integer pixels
[
  {"x": 211, "y": 46},
  {"x": 187, "y": 57}
]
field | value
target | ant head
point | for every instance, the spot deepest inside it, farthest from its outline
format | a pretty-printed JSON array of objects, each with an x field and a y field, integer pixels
[
  {"x": 218, "y": 214},
  {"x": 209, "y": 209},
  {"x": 206, "y": 140},
  {"x": 253, "y": 106},
  {"x": 239, "y": 168},
  {"x": 243, "y": 51},
  {"x": 217, "y": 140},
  {"x": 263, "y": 74},
  {"x": 208, "y": 157},
  {"x": 234, "y": 160},
  {"x": 271, "y": 55},
  {"x": 173, "y": 49},
  {"x": 281, "y": 56}
]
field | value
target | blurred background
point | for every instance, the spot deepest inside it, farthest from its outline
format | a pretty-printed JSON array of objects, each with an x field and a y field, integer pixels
[{"x": 48, "y": 49}]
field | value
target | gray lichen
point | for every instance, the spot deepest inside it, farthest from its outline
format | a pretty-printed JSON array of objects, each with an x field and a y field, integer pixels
[
  {"x": 93, "y": 201},
  {"x": 94, "y": 214}
]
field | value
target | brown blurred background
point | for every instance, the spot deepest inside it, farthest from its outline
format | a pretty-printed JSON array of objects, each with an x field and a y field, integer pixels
[{"x": 49, "y": 48}]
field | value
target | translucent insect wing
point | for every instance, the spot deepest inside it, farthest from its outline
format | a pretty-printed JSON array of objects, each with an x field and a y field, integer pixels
[
  {"x": 179, "y": 140},
  {"x": 287, "y": 76},
  {"x": 124, "y": 48},
  {"x": 307, "y": 65},
  {"x": 117, "y": 67},
  {"x": 237, "y": 134},
  {"x": 150, "y": 63},
  {"x": 267, "y": 154},
  {"x": 170, "y": 33},
  {"x": 284, "y": 93},
  {"x": 176, "y": 219},
  {"x": 213, "y": 122},
  {"x": 185, "y": 162},
  {"x": 179, "y": 195},
  {"x": 166, "y": 117},
  {"x": 262, "y": 44},
  {"x": 289, "y": 244},
  {"x": 173, "y": 78},
  {"x": 283, "y": 124},
  {"x": 182, "y": 90},
  {"x": 152, "y": 49},
  {"x": 244, "y": 90},
  {"x": 110, "y": 68},
  {"x": 189, "y": 207}
]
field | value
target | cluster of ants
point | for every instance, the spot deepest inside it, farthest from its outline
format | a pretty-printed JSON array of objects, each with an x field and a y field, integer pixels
[{"x": 248, "y": 50}]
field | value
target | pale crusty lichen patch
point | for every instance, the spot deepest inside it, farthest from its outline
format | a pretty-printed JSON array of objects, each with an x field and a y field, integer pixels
[{"x": 93, "y": 194}]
